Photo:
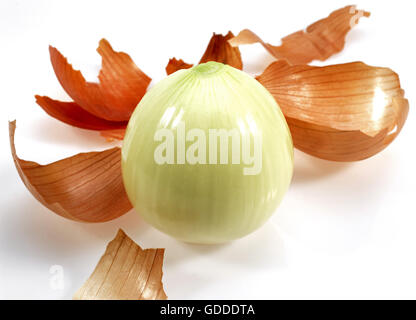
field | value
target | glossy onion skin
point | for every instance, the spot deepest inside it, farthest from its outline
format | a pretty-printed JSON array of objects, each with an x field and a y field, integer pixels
[{"x": 207, "y": 203}]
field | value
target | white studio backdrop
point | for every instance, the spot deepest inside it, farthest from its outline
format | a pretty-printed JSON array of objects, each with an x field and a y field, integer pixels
[{"x": 344, "y": 230}]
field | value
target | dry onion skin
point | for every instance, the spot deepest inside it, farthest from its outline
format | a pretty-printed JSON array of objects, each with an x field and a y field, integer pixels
[
  {"x": 114, "y": 134},
  {"x": 218, "y": 50},
  {"x": 86, "y": 187},
  {"x": 175, "y": 65},
  {"x": 102, "y": 106},
  {"x": 343, "y": 112},
  {"x": 125, "y": 272},
  {"x": 71, "y": 113},
  {"x": 319, "y": 41}
]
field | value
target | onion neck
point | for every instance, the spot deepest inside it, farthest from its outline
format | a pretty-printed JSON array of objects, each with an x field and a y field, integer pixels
[{"x": 209, "y": 68}]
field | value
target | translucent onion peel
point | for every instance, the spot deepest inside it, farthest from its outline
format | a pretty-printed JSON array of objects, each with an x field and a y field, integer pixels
[
  {"x": 86, "y": 187},
  {"x": 207, "y": 201},
  {"x": 343, "y": 112},
  {"x": 115, "y": 134},
  {"x": 175, "y": 65},
  {"x": 125, "y": 272},
  {"x": 74, "y": 115},
  {"x": 106, "y": 105},
  {"x": 120, "y": 89},
  {"x": 218, "y": 50},
  {"x": 319, "y": 41}
]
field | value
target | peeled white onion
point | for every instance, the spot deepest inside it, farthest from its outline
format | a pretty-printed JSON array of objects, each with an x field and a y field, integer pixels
[{"x": 207, "y": 155}]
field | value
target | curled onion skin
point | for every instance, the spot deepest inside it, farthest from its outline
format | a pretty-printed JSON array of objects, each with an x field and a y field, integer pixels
[
  {"x": 319, "y": 40},
  {"x": 207, "y": 202},
  {"x": 86, "y": 187},
  {"x": 343, "y": 112}
]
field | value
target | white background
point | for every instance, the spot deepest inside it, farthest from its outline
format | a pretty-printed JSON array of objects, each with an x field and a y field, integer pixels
[{"x": 344, "y": 230}]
